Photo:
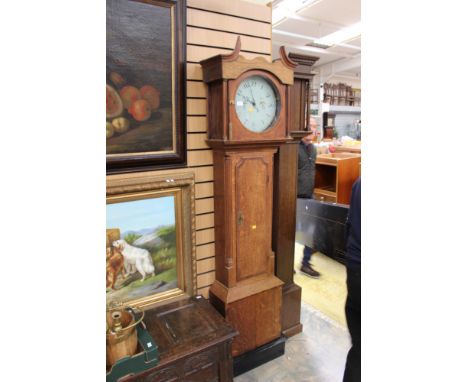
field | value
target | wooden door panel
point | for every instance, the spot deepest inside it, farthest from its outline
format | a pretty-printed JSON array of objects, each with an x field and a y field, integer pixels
[{"x": 253, "y": 215}]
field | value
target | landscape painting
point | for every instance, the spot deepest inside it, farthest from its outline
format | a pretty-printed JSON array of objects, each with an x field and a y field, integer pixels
[
  {"x": 141, "y": 248},
  {"x": 142, "y": 81}
]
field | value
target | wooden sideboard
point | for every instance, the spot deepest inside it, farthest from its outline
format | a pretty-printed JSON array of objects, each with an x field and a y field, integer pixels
[
  {"x": 194, "y": 343},
  {"x": 348, "y": 149},
  {"x": 334, "y": 176}
]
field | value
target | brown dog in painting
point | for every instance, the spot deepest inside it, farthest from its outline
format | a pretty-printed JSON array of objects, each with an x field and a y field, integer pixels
[{"x": 114, "y": 266}]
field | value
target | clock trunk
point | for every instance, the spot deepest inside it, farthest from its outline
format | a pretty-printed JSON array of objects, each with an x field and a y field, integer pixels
[{"x": 246, "y": 290}]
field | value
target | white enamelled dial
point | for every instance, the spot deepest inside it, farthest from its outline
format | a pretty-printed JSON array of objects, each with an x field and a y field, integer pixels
[{"x": 257, "y": 103}]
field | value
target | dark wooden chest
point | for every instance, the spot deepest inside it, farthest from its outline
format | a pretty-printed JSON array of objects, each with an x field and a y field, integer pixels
[{"x": 194, "y": 343}]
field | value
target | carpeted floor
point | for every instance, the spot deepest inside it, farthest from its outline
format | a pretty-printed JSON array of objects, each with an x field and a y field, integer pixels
[{"x": 328, "y": 293}]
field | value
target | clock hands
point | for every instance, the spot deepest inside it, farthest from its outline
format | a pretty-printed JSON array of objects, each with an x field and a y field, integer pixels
[
  {"x": 253, "y": 99},
  {"x": 252, "y": 102},
  {"x": 247, "y": 100}
]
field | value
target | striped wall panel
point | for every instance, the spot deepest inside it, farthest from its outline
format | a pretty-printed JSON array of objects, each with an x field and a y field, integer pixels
[{"x": 212, "y": 28}]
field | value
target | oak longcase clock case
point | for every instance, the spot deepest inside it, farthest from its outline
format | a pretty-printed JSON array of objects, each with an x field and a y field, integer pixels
[{"x": 247, "y": 120}]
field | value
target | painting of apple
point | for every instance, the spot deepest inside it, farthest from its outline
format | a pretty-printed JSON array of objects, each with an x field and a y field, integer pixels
[
  {"x": 151, "y": 94},
  {"x": 144, "y": 82},
  {"x": 129, "y": 94},
  {"x": 140, "y": 110}
]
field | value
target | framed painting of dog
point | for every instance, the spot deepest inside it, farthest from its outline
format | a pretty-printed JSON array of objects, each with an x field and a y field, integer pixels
[
  {"x": 145, "y": 85},
  {"x": 150, "y": 249}
]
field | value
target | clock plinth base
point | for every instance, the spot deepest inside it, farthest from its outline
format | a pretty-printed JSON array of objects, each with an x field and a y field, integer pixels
[
  {"x": 259, "y": 356},
  {"x": 253, "y": 307},
  {"x": 291, "y": 310}
]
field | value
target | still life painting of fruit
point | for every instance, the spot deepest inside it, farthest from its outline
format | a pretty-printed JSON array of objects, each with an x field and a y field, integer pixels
[
  {"x": 141, "y": 248},
  {"x": 139, "y": 78}
]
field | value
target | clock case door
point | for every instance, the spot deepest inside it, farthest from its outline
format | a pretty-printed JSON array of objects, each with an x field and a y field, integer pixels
[{"x": 237, "y": 131}]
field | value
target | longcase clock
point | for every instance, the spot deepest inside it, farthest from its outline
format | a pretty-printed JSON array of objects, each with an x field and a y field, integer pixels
[{"x": 247, "y": 121}]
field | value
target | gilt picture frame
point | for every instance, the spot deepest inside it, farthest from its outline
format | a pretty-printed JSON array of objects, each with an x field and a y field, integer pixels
[
  {"x": 150, "y": 239},
  {"x": 145, "y": 85}
]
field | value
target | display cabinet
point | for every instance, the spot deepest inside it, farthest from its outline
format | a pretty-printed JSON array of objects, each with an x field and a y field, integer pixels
[{"x": 334, "y": 176}]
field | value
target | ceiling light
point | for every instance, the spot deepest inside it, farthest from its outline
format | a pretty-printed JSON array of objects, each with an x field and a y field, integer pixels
[
  {"x": 310, "y": 49},
  {"x": 313, "y": 40},
  {"x": 341, "y": 35},
  {"x": 318, "y": 45}
]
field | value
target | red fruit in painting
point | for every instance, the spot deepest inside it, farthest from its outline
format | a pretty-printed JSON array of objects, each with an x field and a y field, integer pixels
[
  {"x": 140, "y": 110},
  {"x": 129, "y": 95},
  {"x": 151, "y": 94},
  {"x": 114, "y": 105}
]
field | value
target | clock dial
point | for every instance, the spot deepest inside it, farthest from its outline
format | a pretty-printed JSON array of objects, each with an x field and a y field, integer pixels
[{"x": 257, "y": 103}]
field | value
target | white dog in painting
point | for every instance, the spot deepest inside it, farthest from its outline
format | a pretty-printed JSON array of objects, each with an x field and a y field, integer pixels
[{"x": 135, "y": 259}]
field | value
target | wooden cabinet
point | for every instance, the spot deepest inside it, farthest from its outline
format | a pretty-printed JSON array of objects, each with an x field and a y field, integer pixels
[
  {"x": 325, "y": 195},
  {"x": 334, "y": 176},
  {"x": 349, "y": 149},
  {"x": 194, "y": 343}
]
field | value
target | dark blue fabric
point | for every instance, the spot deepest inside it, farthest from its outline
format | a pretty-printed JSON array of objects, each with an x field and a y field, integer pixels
[
  {"x": 353, "y": 271},
  {"x": 307, "y": 255},
  {"x": 353, "y": 226},
  {"x": 307, "y": 155},
  {"x": 353, "y": 318}
]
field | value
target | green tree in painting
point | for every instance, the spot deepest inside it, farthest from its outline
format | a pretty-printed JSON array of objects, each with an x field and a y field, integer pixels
[
  {"x": 165, "y": 257},
  {"x": 131, "y": 237},
  {"x": 168, "y": 235}
]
